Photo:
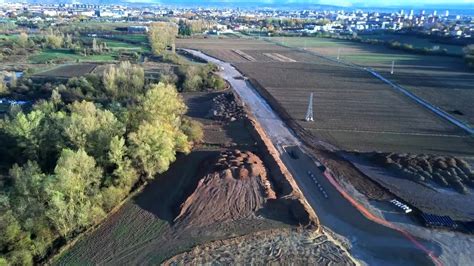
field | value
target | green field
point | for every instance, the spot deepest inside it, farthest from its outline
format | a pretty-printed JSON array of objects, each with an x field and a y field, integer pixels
[
  {"x": 8, "y": 36},
  {"x": 67, "y": 56},
  {"x": 135, "y": 37},
  {"x": 118, "y": 44},
  {"x": 358, "y": 53},
  {"x": 417, "y": 42}
]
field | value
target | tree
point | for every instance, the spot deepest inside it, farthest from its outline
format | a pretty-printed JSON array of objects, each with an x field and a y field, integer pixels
[
  {"x": 153, "y": 147},
  {"x": 23, "y": 40},
  {"x": 124, "y": 175},
  {"x": 95, "y": 48},
  {"x": 3, "y": 86},
  {"x": 109, "y": 80},
  {"x": 192, "y": 129},
  {"x": 124, "y": 81},
  {"x": 162, "y": 35},
  {"x": 91, "y": 128},
  {"x": 54, "y": 40},
  {"x": 161, "y": 102},
  {"x": 25, "y": 128},
  {"x": 73, "y": 192},
  {"x": 156, "y": 124}
]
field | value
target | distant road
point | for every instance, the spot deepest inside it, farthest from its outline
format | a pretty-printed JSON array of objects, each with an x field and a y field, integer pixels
[{"x": 371, "y": 242}]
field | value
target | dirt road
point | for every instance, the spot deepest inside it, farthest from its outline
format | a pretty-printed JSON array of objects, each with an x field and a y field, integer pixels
[{"x": 370, "y": 242}]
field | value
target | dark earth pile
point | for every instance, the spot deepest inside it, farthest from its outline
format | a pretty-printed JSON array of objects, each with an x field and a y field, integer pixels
[
  {"x": 236, "y": 188},
  {"x": 226, "y": 108},
  {"x": 446, "y": 171}
]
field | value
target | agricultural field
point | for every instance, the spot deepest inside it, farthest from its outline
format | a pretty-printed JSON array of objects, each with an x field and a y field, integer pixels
[
  {"x": 416, "y": 41},
  {"x": 352, "y": 109},
  {"x": 66, "y": 55},
  {"x": 67, "y": 71},
  {"x": 121, "y": 43},
  {"x": 444, "y": 81},
  {"x": 135, "y": 38}
]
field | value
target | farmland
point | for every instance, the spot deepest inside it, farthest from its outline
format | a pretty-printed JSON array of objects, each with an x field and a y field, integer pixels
[
  {"x": 63, "y": 55},
  {"x": 416, "y": 41},
  {"x": 67, "y": 71},
  {"x": 443, "y": 81},
  {"x": 353, "y": 110}
]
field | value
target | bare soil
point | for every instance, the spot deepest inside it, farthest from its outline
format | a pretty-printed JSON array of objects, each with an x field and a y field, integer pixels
[
  {"x": 68, "y": 71},
  {"x": 288, "y": 246}
]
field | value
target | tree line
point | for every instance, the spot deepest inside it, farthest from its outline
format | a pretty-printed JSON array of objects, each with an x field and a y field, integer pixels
[{"x": 67, "y": 161}]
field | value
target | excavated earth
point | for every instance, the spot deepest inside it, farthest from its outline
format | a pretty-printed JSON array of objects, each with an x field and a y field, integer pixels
[
  {"x": 275, "y": 247},
  {"x": 236, "y": 188}
]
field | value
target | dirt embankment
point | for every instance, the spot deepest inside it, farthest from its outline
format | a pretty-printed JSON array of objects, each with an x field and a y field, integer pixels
[
  {"x": 283, "y": 181},
  {"x": 284, "y": 246},
  {"x": 235, "y": 188}
]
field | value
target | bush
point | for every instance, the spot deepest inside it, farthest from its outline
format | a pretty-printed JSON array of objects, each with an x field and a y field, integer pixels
[{"x": 193, "y": 129}]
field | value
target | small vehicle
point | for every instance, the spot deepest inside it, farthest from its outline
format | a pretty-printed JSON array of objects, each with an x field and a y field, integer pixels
[{"x": 293, "y": 155}]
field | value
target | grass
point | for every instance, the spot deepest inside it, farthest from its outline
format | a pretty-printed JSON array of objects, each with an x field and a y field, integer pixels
[
  {"x": 416, "y": 41},
  {"x": 118, "y": 45},
  {"x": 67, "y": 56},
  {"x": 9, "y": 36},
  {"x": 377, "y": 58},
  {"x": 135, "y": 37},
  {"x": 364, "y": 54}
]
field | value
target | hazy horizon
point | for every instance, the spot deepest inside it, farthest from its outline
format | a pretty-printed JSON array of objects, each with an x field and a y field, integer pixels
[{"x": 340, "y": 3}]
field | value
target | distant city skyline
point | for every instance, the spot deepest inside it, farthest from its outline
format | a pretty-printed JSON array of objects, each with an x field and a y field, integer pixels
[{"x": 342, "y": 3}]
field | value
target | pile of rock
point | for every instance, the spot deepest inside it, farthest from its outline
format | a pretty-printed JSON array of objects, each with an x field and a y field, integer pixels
[{"x": 226, "y": 108}]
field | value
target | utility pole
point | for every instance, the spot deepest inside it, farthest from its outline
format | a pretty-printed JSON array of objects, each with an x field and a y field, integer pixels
[
  {"x": 309, "y": 113},
  {"x": 393, "y": 66}
]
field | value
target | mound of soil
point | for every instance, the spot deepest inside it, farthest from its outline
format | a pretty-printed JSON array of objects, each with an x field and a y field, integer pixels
[
  {"x": 236, "y": 187},
  {"x": 449, "y": 172},
  {"x": 226, "y": 108},
  {"x": 285, "y": 246}
]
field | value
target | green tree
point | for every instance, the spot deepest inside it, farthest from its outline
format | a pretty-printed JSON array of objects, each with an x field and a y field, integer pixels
[
  {"x": 153, "y": 147},
  {"x": 161, "y": 35},
  {"x": 23, "y": 40},
  {"x": 3, "y": 86},
  {"x": 91, "y": 128},
  {"x": 192, "y": 129},
  {"x": 109, "y": 80},
  {"x": 25, "y": 128},
  {"x": 73, "y": 192}
]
